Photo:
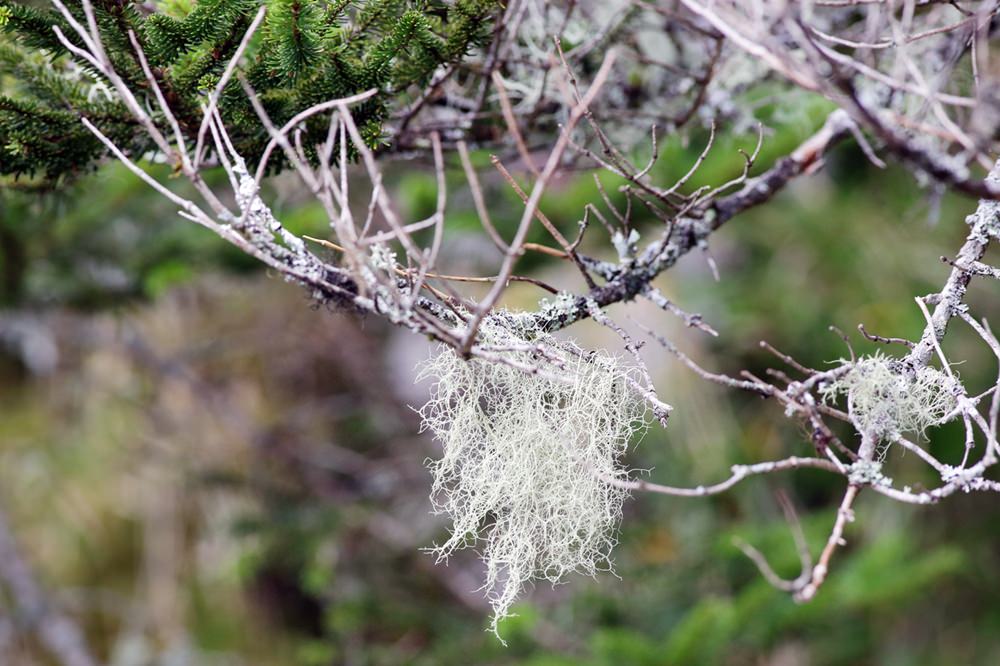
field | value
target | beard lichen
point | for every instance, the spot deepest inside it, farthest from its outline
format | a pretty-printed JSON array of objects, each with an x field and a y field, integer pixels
[
  {"x": 886, "y": 398},
  {"x": 528, "y": 456}
]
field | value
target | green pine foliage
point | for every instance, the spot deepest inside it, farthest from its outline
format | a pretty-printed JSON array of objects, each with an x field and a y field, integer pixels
[{"x": 305, "y": 52}]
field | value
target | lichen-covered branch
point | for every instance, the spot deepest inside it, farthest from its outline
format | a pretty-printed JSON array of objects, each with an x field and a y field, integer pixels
[{"x": 534, "y": 428}]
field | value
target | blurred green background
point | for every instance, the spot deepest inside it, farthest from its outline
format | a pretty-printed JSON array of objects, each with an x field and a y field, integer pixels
[{"x": 203, "y": 468}]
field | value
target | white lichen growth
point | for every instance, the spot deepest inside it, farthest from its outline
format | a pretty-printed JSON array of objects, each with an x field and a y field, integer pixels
[
  {"x": 383, "y": 258},
  {"x": 625, "y": 246},
  {"x": 867, "y": 473},
  {"x": 885, "y": 398},
  {"x": 528, "y": 455},
  {"x": 562, "y": 308}
]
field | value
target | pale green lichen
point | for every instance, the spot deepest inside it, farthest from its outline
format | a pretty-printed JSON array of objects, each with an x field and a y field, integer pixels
[
  {"x": 867, "y": 473},
  {"x": 527, "y": 456},
  {"x": 885, "y": 398}
]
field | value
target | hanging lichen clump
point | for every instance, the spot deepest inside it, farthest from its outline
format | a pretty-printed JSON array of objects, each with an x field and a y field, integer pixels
[
  {"x": 528, "y": 456},
  {"x": 886, "y": 399}
]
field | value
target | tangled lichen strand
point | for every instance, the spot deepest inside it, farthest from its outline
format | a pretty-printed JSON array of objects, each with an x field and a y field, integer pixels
[
  {"x": 885, "y": 398},
  {"x": 527, "y": 458}
]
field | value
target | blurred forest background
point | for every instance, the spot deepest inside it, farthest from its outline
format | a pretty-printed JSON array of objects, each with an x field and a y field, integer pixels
[{"x": 201, "y": 468}]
